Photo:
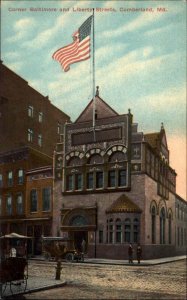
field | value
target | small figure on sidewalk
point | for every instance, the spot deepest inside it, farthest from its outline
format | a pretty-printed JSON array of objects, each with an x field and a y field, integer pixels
[
  {"x": 139, "y": 253},
  {"x": 130, "y": 253},
  {"x": 83, "y": 248}
]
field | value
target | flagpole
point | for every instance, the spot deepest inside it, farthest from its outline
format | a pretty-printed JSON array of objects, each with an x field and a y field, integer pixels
[{"x": 93, "y": 77}]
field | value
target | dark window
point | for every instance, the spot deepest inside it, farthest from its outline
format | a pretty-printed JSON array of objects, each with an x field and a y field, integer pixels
[
  {"x": 178, "y": 236},
  {"x": 118, "y": 231},
  {"x": 122, "y": 178},
  {"x": 19, "y": 204},
  {"x": 100, "y": 236},
  {"x": 181, "y": 236},
  {"x": 127, "y": 230},
  {"x": 99, "y": 180},
  {"x": 40, "y": 117},
  {"x": 69, "y": 182},
  {"x": 46, "y": 199},
  {"x": 136, "y": 230},
  {"x": 111, "y": 178},
  {"x": 78, "y": 181},
  {"x": 9, "y": 205},
  {"x": 33, "y": 200},
  {"x": 30, "y": 135},
  {"x": 169, "y": 229},
  {"x": 20, "y": 176},
  {"x": 40, "y": 140},
  {"x": 153, "y": 226},
  {"x": 90, "y": 181},
  {"x": 111, "y": 228},
  {"x": 10, "y": 178},
  {"x": 30, "y": 111},
  {"x": 162, "y": 226}
]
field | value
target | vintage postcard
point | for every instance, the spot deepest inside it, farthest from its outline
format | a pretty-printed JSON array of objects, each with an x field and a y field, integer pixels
[{"x": 94, "y": 148}]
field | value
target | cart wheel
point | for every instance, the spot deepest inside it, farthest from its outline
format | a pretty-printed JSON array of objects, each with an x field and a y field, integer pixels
[
  {"x": 18, "y": 286},
  {"x": 4, "y": 285},
  {"x": 69, "y": 257}
]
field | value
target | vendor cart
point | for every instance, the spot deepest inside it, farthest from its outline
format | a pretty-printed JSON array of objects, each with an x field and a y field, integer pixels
[{"x": 13, "y": 263}]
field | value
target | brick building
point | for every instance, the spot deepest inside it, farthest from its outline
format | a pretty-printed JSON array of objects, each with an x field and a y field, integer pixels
[
  {"x": 39, "y": 206},
  {"x": 117, "y": 186},
  {"x": 30, "y": 127},
  {"x": 27, "y": 118},
  {"x": 13, "y": 167}
]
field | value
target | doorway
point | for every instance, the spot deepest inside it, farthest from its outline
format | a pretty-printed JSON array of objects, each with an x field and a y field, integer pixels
[{"x": 78, "y": 237}]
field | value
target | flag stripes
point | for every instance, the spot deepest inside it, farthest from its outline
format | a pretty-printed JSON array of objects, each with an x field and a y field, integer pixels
[{"x": 77, "y": 51}]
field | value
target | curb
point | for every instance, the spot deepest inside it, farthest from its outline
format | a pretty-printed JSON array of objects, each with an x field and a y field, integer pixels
[{"x": 37, "y": 289}]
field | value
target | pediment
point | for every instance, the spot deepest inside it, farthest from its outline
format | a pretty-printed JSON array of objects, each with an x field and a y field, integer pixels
[{"x": 103, "y": 110}]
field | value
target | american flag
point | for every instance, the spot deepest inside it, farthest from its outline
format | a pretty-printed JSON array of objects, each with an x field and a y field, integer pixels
[{"x": 77, "y": 51}]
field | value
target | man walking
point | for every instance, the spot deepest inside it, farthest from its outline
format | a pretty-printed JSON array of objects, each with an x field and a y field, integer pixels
[
  {"x": 130, "y": 253},
  {"x": 139, "y": 253}
]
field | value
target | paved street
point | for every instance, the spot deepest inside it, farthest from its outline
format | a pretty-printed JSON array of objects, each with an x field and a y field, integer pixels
[{"x": 89, "y": 281}]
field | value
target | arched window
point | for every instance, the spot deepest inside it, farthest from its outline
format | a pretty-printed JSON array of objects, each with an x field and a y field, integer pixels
[
  {"x": 127, "y": 230},
  {"x": 95, "y": 159},
  {"x": 78, "y": 220},
  {"x": 117, "y": 156},
  {"x": 136, "y": 230},
  {"x": 162, "y": 226},
  {"x": 74, "y": 161},
  {"x": 118, "y": 231},
  {"x": 169, "y": 229},
  {"x": 111, "y": 229},
  {"x": 153, "y": 225}
]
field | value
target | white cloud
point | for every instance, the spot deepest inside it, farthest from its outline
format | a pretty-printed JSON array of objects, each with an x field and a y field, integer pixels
[
  {"x": 141, "y": 21},
  {"x": 21, "y": 28},
  {"x": 60, "y": 24},
  {"x": 172, "y": 97}
]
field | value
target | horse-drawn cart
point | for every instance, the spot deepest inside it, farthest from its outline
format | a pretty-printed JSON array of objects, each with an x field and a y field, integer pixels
[
  {"x": 13, "y": 263},
  {"x": 60, "y": 248}
]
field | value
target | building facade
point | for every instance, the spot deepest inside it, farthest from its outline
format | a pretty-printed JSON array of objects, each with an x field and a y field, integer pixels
[
  {"x": 30, "y": 127},
  {"x": 39, "y": 206},
  {"x": 13, "y": 186},
  {"x": 116, "y": 186},
  {"x": 39, "y": 124}
]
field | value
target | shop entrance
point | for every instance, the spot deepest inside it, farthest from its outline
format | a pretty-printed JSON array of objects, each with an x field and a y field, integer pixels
[{"x": 78, "y": 236}]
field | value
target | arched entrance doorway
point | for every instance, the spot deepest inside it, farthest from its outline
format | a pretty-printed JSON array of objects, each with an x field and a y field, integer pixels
[{"x": 78, "y": 235}]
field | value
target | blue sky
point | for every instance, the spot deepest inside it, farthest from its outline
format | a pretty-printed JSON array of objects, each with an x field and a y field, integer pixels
[{"x": 140, "y": 61}]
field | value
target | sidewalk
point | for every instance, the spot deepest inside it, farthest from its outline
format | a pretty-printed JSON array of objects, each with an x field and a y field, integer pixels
[
  {"x": 149, "y": 262},
  {"x": 119, "y": 262},
  {"x": 33, "y": 285}
]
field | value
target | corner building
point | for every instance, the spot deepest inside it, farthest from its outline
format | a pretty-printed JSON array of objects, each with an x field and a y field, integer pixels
[{"x": 117, "y": 186}]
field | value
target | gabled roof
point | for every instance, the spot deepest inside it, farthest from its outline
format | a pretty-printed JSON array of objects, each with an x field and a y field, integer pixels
[
  {"x": 152, "y": 139},
  {"x": 123, "y": 204},
  {"x": 157, "y": 139},
  {"x": 103, "y": 110}
]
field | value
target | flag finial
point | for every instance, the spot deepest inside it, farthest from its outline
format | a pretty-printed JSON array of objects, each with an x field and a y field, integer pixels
[{"x": 97, "y": 91}]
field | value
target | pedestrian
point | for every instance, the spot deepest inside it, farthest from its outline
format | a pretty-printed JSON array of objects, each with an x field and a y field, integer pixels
[
  {"x": 130, "y": 253},
  {"x": 83, "y": 248},
  {"x": 139, "y": 253}
]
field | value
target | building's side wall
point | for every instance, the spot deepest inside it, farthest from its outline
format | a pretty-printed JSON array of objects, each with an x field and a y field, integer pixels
[
  {"x": 180, "y": 225},
  {"x": 15, "y": 98},
  {"x": 152, "y": 198}
]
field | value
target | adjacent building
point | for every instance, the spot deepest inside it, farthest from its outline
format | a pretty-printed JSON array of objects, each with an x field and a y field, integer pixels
[
  {"x": 27, "y": 118},
  {"x": 30, "y": 128},
  {"x": 117, "y": 186}
]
